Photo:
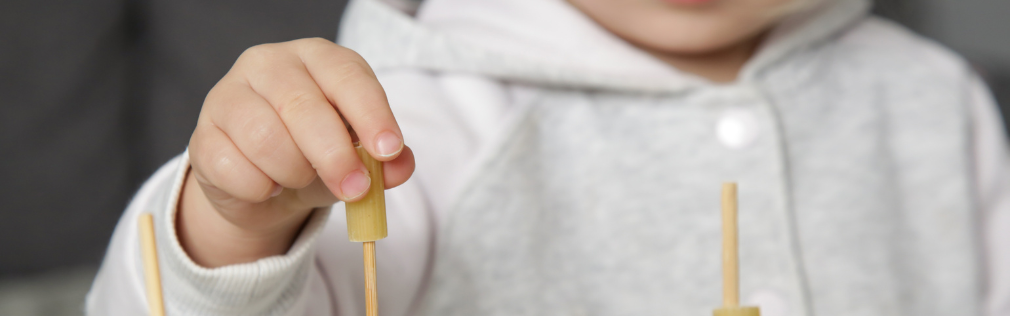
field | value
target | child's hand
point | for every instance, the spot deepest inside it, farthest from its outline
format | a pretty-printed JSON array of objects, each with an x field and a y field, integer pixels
[{"x": 272, "y": 122}]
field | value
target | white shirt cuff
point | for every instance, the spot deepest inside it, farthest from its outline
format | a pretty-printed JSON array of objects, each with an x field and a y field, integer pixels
[{"x": 268, "y": 286}]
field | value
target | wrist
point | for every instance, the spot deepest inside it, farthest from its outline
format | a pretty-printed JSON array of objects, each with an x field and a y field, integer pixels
[{"x": 212, "y": 240}]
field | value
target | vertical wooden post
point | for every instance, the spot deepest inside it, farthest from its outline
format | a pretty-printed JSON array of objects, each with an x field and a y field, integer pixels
[
  {"x": 371, "y": 292},
  {"x": 730, "y": 261},
  {"x": 730, "y": 265},
  {"x": 152, "y": 274}
]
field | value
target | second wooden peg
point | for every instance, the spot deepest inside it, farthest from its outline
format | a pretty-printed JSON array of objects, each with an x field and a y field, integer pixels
[{"x": 730, "y": 262}]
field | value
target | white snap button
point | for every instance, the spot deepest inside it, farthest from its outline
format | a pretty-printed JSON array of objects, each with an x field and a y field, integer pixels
[
  {"x": 736, "y": 128},
  {"x": 770, "y": 303}
]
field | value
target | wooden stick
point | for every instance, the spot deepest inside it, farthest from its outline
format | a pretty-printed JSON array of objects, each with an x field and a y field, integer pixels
[
  {"x": 152, "y": 274},
  {"x": 730, "y": 264},
  {"x": 371, "y": 293}
]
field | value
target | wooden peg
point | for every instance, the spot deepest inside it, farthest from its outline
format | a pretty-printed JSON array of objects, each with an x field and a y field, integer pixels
[
  {"x": 730, "y": 262},
  {"x": 152, "y": 274},
  {"x": 371, "y": 292}
]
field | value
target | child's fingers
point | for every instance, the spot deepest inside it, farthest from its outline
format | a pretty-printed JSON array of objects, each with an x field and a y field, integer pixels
[
  {"x": 281, "y": 79},
  {"x": 218, "y": 163},
  {"x": 254, "y": 127},
  {"x": 314, "y": 195},
  {"x": 349, "y": 83},
  {"x": 395, "y": 172}
]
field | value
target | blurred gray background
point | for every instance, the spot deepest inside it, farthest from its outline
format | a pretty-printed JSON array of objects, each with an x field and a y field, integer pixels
[{"x": 96, "y": 94}]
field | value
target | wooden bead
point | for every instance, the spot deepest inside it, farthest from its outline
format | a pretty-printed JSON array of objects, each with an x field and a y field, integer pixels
[{"x": 366, "y": 218}]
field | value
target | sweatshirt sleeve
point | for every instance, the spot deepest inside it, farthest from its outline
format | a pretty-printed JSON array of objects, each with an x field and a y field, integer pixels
[
  {"x": 992, "y": 181},
  {"x": 270, "y": 286}
]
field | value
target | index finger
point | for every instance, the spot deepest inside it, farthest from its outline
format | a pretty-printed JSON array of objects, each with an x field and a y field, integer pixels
[
  {"x": 276, "y": 73},
  {"x": 349, "y": 83}
]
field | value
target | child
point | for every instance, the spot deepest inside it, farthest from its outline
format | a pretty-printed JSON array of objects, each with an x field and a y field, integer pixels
[{"x": 568, "y": 161}]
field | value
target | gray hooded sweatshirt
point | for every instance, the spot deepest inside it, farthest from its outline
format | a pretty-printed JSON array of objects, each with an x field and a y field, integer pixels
[{"x": 561, "y": 171}]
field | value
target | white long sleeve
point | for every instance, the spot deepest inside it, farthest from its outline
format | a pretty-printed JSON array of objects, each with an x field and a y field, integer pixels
[
  {"x": 992, "y": 179},
  {"x": 269, "y": 286}
]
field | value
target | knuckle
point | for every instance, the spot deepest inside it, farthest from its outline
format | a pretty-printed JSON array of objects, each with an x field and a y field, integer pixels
[
  {"x": 333, "y": 160},
  {"x": 297, "y": 104},
  {"x": 265, "y": 139},
  {"x": 351, "y": 70},
  {"x": 313, "y": 47},
  {"x": 224, "y": 164},
  {"x": 213, "y": 98},
  {"x": 349, "y": 54},
  {"x": 315, "y": 41},
  {"x": 227, "y": 170},
  {"x": 258, "y": 54},
  {"x": 221, "y": 171}
]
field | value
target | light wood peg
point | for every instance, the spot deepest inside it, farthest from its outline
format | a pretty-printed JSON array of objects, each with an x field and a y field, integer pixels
[
  {"x": 730, "y": 262},
  {"x": 149, "y": 256}
]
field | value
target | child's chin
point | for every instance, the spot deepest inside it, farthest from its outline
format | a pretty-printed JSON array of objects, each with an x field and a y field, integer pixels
[
  {"x": 660, "y": 25},
  {"x": 685, "y": 37}
]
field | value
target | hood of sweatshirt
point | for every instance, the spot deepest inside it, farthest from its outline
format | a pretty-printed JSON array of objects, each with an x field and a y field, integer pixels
[
  {"x": 555, "y": 45},
  {"x": 845, "y": 133}
]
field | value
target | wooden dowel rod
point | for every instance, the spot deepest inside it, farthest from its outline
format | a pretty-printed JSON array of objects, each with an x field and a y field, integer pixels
[
  {"x": 730, "y": 265},
  {"x": 152, "y": 274},
  {"x": 371, "y": 293}
]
